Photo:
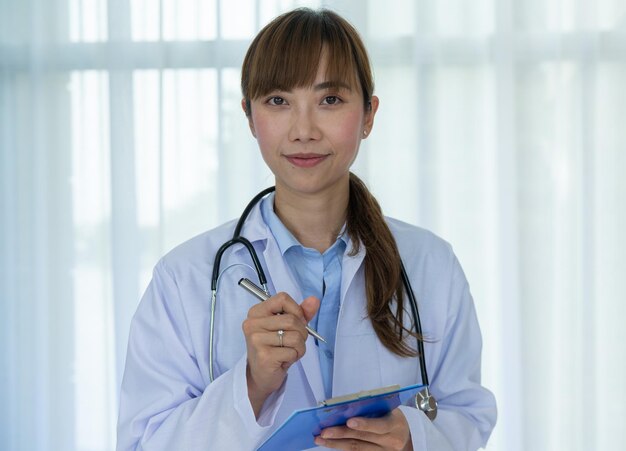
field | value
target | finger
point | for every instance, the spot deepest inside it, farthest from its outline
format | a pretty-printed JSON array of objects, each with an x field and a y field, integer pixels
[
  {"x": 272, "y": 306},
  {"x": 275, "y": 323},
  {"x": 284, "y": 355},
  {"x": 393, "y": 421},
  {"x": 279, "y": 303},
  {"x": 294, "y": 341},
  {"x": 381, "y": 425},
  {"x": 347, "y": 444},
  {"x": 291, "y": 339},
  {"x": 345, "y": 433},
  {"x": 375, "y": 442},
  {"x": 273, "y": 357},
  {"x": 389, "y": 432},
  {"x": 310, "y": 306}
]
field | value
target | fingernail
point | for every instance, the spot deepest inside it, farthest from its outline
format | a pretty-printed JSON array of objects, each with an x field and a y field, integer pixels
[
  {"x": 352, "y": 423},
  {"x": 319, "y": 441},
  {"x": 327, "y": 434}
]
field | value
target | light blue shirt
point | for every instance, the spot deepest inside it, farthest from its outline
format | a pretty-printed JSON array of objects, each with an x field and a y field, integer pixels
[{"x": 317, "y": 275}]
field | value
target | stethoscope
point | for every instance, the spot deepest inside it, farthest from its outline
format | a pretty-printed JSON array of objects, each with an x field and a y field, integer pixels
[{"x": 424, "y": 400}]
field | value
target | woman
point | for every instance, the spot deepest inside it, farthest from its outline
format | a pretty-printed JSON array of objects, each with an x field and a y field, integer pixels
[{"x": 334, "y": 262}]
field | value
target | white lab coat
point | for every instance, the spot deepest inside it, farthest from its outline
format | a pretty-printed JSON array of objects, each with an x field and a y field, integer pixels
[{"x": 168, "y": 403}]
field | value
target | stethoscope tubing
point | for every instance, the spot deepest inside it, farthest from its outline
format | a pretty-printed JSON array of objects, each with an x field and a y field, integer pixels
[{"x": 238, "y": 239}]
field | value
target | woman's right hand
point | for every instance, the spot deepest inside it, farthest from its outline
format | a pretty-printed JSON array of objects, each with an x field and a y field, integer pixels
[{"x": 268, "y": 362}]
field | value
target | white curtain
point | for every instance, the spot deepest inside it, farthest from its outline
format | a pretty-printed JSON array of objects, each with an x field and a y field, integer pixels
[{"x": 501, "y": 128}]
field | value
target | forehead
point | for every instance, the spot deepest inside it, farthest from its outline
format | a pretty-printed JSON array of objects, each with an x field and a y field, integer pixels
[
  {"x": 289, "y": 65},
  {"x": 330, "y": 76}
]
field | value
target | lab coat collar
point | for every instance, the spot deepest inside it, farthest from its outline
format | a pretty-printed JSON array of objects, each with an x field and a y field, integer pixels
[
  {"x": 349, "y": 266},
  {"x": 255, "y": 229}
]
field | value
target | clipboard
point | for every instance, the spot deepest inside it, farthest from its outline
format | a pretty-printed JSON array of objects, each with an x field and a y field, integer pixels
[{"x": 299, "y": 430}]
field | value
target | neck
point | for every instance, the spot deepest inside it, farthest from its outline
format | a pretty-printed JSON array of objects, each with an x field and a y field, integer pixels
[{"x": 315, "y": 220}]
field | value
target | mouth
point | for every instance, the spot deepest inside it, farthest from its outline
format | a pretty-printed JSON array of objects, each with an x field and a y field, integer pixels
[{"x": 306, "y": 160}]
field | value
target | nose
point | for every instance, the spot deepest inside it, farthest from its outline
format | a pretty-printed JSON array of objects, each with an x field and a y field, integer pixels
[{"x": 304, "y": 125}]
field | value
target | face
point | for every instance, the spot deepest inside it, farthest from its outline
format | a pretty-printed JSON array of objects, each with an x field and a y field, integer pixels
[{"x": 309, "y": 137}]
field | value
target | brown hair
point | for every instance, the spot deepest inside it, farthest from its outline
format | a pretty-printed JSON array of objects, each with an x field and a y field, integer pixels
[
  {"x": 286, "y": 54},
  {"x": 383, "y": 280}
]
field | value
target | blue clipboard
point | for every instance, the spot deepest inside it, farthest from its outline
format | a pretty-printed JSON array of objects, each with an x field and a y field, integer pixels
[{"x": 299, "y": 430}]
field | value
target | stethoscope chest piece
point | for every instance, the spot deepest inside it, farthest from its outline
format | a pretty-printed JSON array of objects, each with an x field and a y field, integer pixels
[{"x": 427, "y": 403}]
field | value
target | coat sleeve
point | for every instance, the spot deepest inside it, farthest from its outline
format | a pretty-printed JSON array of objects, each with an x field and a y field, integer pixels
[
  {"x": 467, "y": 410},
  {"x": 165, "y": 403}
]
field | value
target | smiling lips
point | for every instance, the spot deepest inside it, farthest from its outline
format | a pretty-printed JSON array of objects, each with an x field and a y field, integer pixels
[{"x": 305, "y": 160}]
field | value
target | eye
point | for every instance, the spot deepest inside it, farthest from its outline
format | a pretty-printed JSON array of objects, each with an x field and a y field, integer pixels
[
  {"x": 276, "y": 100},
  {"x": 331, "y": 100}
]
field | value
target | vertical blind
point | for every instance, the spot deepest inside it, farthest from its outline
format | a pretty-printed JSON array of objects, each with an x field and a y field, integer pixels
[{"x": 501, "y": 128}]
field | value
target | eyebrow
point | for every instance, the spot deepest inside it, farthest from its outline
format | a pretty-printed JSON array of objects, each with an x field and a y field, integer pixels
[
  {"x": 323, "y": 86},
  {"x": 331, "y": 84}
]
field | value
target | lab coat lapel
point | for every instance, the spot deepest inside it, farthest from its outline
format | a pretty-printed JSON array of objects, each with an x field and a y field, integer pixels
[
  {"x": 357, "y": 360},
  {"x": 349, "y": 267},
  {"x": 282, "y": 281},
  {"x": 279, "y": 279}
]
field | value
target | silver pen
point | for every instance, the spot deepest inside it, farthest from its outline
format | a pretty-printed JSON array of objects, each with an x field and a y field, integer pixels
[{"x": 263, "y": 296}]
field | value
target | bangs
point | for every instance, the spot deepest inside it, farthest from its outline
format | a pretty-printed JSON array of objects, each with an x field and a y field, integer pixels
[{"x": 286, "y": 54}]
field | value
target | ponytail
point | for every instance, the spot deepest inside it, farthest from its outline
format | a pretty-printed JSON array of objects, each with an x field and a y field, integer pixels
[{"x": 383, "y": 281}]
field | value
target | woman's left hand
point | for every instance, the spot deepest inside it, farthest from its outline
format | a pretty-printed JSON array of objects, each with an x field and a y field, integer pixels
[{"x": 390, "y": 432}]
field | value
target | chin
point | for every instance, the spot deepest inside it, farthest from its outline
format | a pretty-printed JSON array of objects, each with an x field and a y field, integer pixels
[{"x": 313, "y": 186}]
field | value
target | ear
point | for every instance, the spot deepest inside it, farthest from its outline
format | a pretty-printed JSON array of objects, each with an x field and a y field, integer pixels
[
  {"x": 249, "y": 116},
  {"x": 370, "y": 113}
]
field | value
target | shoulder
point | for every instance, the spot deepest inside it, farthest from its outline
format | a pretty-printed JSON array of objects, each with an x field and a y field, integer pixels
[
  {"x": 196, "y": 255},
  {"x": 197, "y": 252},
  {"x": 426, "y": 255},
  {"x": 417, "y": 241}
]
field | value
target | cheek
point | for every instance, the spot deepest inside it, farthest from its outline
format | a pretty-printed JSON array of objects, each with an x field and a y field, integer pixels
[
  {"x": 264, "y": 131},
  {"x": 347, "y": 130},
  {"x": 267, "y": 139}
]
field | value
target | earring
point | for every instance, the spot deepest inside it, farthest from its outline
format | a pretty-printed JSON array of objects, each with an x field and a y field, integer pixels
[{"x": 364, "y": 132}]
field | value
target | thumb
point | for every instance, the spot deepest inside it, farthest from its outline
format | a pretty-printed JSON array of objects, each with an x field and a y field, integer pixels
[{"x": 310, "y": 306}]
